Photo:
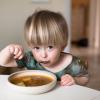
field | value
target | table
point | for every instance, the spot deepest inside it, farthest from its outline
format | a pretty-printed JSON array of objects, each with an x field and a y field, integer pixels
[{"x": 74, "y": 92}]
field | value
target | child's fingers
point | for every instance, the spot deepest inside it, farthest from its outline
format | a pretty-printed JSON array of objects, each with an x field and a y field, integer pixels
[
  {"x": 17, "y": 51},
  {"x": 11, "y": 49},
  {"x": 64, "y": 81},
  {"x": 19, "y": 55},
  {"x": 67, "y": 80},
  {"x": 67, "y": 84}
]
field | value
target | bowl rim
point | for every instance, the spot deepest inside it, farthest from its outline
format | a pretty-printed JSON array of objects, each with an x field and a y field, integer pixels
[{"x": 36, "y": 71}]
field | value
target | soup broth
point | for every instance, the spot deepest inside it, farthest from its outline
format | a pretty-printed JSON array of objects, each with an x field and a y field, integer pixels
[{"x": 32, "y": 80}]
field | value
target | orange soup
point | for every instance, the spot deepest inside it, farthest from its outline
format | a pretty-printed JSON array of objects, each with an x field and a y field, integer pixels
[{"x": 32, "y": 80}]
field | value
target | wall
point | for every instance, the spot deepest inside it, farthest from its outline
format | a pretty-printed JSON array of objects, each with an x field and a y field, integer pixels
[
  {"x": 13, "y": 14},
  {"x": 94, "y": 25}
]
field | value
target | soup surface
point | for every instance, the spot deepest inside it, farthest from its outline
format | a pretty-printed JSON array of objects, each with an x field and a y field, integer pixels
[{"x": 32, "y": 80}]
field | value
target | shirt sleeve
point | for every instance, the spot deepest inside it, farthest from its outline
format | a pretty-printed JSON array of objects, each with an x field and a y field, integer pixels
[
  {"x": 22, "y": 62},
  {"x": 27, "y": 61},
  {"x": 78, "y": 67}
]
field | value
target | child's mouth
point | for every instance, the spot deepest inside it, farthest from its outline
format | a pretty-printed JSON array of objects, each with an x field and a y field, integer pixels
[{"x": 44, "y": 62}]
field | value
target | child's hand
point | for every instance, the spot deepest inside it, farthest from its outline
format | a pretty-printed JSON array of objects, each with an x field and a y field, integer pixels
[
  {"x": 16, "y": 51},
  {"x": 67, "y": 80}
]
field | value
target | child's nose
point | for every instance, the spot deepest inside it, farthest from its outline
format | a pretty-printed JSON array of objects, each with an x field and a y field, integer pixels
[{"x": 43, "y": 53}]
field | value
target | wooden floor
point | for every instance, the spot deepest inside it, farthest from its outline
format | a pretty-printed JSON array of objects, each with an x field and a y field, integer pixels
[{"x": 93, "y": 58}]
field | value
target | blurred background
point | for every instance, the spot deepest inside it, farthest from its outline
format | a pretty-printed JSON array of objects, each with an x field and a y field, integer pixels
[{"x": 82, "y": 16}]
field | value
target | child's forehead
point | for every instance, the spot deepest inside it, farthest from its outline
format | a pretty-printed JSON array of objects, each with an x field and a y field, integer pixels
[{"x": 44, "y": 45}]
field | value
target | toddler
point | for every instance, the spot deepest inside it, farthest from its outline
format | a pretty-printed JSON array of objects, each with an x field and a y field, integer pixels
[{"x": 46, "y": 34}]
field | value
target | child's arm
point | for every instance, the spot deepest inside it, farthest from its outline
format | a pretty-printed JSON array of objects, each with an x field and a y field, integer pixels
[
  {"x": 82, "y": 77},
  {"x": 9, "y": 54},
  {"x": 76, "y": 73},
  {"x": 69, "y": 80},
  {"x": 81, "y": 80}
]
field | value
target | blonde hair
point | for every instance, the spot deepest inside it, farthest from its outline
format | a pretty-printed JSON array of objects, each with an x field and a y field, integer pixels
[{"x": 46, "y": 27}]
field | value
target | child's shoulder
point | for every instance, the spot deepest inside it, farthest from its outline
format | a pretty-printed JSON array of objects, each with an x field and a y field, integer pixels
[
  {"x": 68, "y": 55},
  {"x": 79, "y": 61},
  {"x": 75, "y": 59},
  {"x": 71, "y": 55}
]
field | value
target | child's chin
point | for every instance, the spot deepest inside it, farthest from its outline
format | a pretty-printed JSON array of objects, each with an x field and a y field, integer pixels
[{"x": 46, "y": 65}]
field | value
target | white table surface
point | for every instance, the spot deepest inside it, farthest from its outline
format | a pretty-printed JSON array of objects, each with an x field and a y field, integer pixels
[{"x": 74, "y": 92}]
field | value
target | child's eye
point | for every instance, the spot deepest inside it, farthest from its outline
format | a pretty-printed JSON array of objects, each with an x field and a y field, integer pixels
[
  {"x": 50, "y": 47},
  {"x": 36, "y": 48}
]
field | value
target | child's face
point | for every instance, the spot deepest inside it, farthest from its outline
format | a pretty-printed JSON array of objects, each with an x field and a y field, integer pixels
[{"x": 47, "y": 56}]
